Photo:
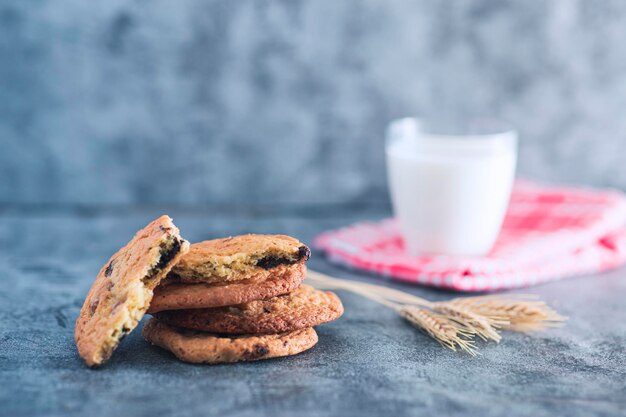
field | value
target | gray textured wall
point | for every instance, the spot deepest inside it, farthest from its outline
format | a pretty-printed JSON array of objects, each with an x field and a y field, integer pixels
[{"x": 198, "y": 101}]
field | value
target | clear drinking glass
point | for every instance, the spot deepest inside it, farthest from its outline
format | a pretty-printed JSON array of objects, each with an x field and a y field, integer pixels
[{"x": 450, "y": 183}]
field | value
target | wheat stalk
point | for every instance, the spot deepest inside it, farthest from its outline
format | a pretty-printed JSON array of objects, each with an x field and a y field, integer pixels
[
  {"x": 455, "y": 323},
  {"x": 390, "y": 294}
]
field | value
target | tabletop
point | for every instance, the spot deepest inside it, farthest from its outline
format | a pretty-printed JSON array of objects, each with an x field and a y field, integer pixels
[{"x": 370, "y": 362}]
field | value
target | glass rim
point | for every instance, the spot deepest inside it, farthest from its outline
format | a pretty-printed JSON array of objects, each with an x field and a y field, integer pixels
[
  {"x": 406, "y": 135},
  {"x": 473, "y": 128}
]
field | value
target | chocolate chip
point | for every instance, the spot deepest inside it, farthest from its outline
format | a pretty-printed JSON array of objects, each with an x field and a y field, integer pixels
[
  {"x": 109, "y": 270},
  {"x": 168, "y": 255},
  {"x": 304, "y": 253},
  {"x": 269, "y": 262},
  {"x": 123, "y": 333},
  {"x": 93, "y": 306},
  {"x": 119, "y": 303},
  {"x": 261, "y": 350}
]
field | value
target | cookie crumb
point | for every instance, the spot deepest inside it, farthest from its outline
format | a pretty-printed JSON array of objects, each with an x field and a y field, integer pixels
[{"x": 109, "y": 270}]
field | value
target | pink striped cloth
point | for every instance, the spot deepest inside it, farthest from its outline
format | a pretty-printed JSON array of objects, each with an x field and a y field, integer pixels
[{"x": 549, "y": 233}]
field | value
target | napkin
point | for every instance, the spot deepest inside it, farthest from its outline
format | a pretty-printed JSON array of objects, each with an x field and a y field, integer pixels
[{"x": 549, "y": 233}]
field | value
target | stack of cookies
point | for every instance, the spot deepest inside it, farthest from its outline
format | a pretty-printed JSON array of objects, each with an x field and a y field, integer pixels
[
  {"x": 239, "y": 298},
  {"x": 224, "y": 300}
]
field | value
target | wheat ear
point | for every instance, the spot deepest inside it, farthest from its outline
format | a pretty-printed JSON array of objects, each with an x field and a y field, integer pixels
[
  {"x": 519, "y": 313},
  {"x": 445, "y": 331},
  {"x": 483, "y": 326}
]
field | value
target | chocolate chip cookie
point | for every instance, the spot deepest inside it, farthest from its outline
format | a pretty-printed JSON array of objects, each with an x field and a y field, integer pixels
[
  {"x": 198, "y": 347},
  {"x": 302, "y": 308},
  {"x": 121, "y": 294},
  {"x": 239, "y": 258},
  {"x": 187, "y": 296}
]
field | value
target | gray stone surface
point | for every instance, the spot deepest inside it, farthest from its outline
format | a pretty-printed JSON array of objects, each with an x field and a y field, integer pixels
[
  {"x": 368, "y": 363},
  {"x": 128, "y": 101}
]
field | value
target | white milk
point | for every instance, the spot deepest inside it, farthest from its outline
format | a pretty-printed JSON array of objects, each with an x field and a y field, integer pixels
[{"x": 449, "y": 193}]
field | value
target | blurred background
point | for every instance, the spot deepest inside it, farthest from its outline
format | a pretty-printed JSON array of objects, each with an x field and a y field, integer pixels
[{"x": 197, "y": 102}]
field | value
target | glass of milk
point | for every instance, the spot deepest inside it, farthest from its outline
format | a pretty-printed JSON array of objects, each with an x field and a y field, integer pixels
[{"x": 450, "y": 183}]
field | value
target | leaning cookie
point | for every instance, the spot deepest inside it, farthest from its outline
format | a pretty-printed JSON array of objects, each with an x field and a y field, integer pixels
[
  {"x": 121, "y": 294},
  {"x": 246, "y": 257},
  {"x": 304, "y": 307},
  {"x": 189, "y": 296},
  {"x": 198, "y": 347}
]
